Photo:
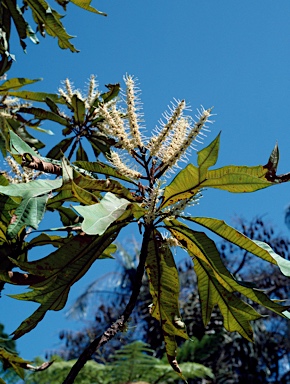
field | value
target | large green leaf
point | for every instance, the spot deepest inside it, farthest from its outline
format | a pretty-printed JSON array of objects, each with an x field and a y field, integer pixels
[
  {"x": 236, "y": 179},
  {"x": 236, "y": 313},
  {"x": 262, "y": 250},
  {"x": 18, "y": 146},
  {"x": 59, "y": 149},
  {"x": 32, "y": 206},
  {"x": 61, "y": 269},
  {"x": 15, "y": 83},
  {"x": 98, "y": 217},
  {"x": 29, "y": 213},
  {"x": 50, "y": 19},
  {"x": 204, "y": 249},
  {"x": 164, "y": 288}
]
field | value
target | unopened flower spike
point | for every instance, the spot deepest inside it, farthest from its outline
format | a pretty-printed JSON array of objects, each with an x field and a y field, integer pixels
[{"x": 133, "y": 107}]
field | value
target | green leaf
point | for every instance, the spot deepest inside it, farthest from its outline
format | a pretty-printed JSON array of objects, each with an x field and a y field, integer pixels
[
  {"x": 98, "y": 217},
  {"x": 42, "y": 114},
  {"x": 12, "y": 360},
  {"x": 85, "y": 4},
  {"x": 29, "y": 213},
  {"x": 81, "y": 153},
  {"x": 32, "y": 189},
  {"x": 101, "y": 168},
  {"x": 59, "y": 149},
  {"x": 207, "y": 157},
  {"x": 236, "y": 179},
  {"x": 204, "y": 249},
  {"x": 61, "y": 270},
  {"x": 79, "y": 109},
  {"x": 18, "y": 146},
  {"x": 236, "y": 313},
  {"x": 257, "y": 248},
  {"x": 72, "y": 178},
  {"x": 19, "y": 21},
  {"x": 16, "y": 83},
  {"x": 50, "y": 19},
  {"x": 37, "y": 96}
]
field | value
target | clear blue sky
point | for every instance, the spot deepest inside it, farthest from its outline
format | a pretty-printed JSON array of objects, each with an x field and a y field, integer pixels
[{"x": 232, "y": 55}]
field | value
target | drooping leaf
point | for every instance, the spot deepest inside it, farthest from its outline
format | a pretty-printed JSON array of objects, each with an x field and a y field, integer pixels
[
  {"x": 81, "y": 153},
  {"x": 32, "y": 189},
  {"x": 49, "y": 19},
  {"x": 61, "y": 270},
  {"x": 98, "y": 217},
  {"x": 29, "y": 213},
  {"x": 164, "y": 288},
  {"x": 236, "y": 313},
  {"x": 257, "y": 248},
  {"x": 204, "y": 249}
]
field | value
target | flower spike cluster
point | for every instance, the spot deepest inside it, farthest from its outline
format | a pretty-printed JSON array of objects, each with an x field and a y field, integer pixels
[{"x": 154, "y": 157}]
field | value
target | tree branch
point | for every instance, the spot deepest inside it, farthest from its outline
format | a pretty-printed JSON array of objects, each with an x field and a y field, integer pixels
[{"x": 118, "y": 324}]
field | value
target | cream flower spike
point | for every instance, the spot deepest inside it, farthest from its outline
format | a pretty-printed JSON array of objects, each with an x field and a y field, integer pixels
[
  {"x": 122, "y": 167},
  {"x": 133, "y": 107}
]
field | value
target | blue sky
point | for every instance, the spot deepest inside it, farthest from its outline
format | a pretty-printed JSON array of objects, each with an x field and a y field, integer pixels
[{"x": 232, "y": 55}]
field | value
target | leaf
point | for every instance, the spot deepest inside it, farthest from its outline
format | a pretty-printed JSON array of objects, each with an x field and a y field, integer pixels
[
  {"x": 61, "y": 269},
  {"x": 79, "y": 109},
  {"x": 12, "y": 360},
  {"x": 236, "y": 313},
  {"x": 85, "y": 4},
  {"x": 81, "y": 153},
  {"x": 37, "y": 96},
  {"x": 32, "y": 206},
  {"x": 16, "y": 83},
  {"x": 98, "y": 217},
  {"x": 164, "y": 288},
  {"x": 18, "y": 146},
  {"x": 42, "y": 114},
  {"x": 50, "y": 19},
  {"x": 19, "y": 21},
  {"x": 101, "y": 168},
  {"x": 236, "y": 179},
  {"x": 59, "y": 149},
  {"x": 202, "y": 247},
  {"x": 73, "y": 179},
  {"x": 207, "y": 157},
  {"x": 29, "y": 213},
  {"x": 257, "y": 248}
]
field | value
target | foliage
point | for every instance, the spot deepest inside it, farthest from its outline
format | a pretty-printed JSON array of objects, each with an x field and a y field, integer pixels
[
  {"x": 47, "y": 20},
  {"x": 126, "y": 194},
  {"x": 232, "y": 358},
  {"x": 134, "y": 362}
]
